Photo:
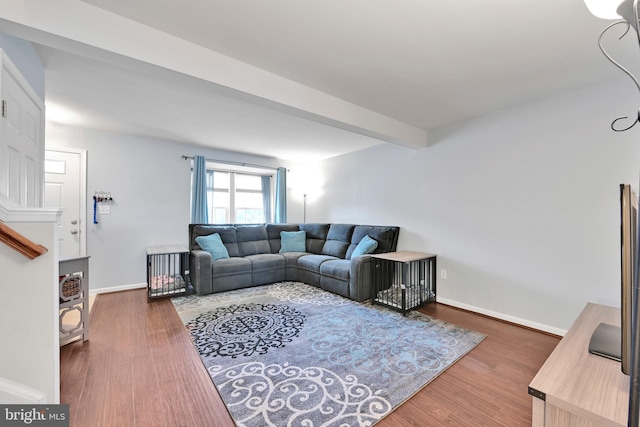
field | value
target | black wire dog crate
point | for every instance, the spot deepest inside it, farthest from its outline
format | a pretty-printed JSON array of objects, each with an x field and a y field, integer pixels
[
  {"x": 167, "y": 272},
  {"x": 404, "y": 280}
]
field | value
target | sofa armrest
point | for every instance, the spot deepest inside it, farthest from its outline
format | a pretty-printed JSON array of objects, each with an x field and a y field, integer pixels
[
  {"x": 200, "y": 271},
  {"x": 360, "y": 278}
]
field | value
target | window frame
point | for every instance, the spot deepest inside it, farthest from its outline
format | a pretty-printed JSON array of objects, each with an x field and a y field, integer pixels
[{"x": 233, "y": 171}]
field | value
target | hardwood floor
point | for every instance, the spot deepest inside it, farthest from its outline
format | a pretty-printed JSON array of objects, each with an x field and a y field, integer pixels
[
  {"x": 139, "y": 369},
  {"x": 488, "y": 386}
]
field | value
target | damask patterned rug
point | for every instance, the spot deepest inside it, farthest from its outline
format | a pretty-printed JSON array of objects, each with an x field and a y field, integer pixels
[{"x": 290, "y": 354}]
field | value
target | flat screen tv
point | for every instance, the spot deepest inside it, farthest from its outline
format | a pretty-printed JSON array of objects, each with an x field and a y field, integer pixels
[
  {"x": 629, "y": 271},
  {"x": 623, "y": 343}
]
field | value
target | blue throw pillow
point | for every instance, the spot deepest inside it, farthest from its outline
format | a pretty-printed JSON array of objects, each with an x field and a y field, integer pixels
[
  {"x": 212, "y": 243},
  {"x": 366, "y": 246},
  {"x": 293, "y": 241}
]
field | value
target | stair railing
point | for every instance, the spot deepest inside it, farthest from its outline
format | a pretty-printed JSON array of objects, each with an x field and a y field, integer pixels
[{"x": 18, "y": 242}]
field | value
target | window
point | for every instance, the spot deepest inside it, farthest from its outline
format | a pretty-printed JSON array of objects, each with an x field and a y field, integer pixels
[{"x": 235, "y": 198}]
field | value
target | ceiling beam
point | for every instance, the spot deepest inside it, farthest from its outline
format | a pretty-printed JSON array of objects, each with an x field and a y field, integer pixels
[{"x": 83, "y": 29}]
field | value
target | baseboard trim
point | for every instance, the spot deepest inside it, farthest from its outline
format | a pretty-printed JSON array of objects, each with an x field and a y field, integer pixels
[
  {"x": 505, "y": 317},
  {"x": 116, "y": 288},
  {"x": 12, "y": 392},
  {"x": 468, "y": 307}
]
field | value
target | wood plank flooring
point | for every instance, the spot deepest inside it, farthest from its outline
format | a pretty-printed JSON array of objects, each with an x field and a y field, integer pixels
[{"x": 140, "y": 369}]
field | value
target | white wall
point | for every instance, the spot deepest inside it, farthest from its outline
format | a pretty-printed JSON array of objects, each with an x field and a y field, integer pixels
[
  {"x": 30, "y": 353},
  {"x": 26, "y": 59},
  {"x": 521, "y": 206},
  {"x": 149, "y": 182}
]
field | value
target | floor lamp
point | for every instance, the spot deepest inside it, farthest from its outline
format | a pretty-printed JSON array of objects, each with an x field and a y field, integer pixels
[{"x": 304, "y": 207}]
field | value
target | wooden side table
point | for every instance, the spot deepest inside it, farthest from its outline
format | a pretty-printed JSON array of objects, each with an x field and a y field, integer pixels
[
  {"x": 403, "y": 280},
  {"x": 74, "y": 299}
]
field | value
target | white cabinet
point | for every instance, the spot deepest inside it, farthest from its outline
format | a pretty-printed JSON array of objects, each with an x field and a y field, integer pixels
[
  {"x": 74, "y": 299},
  {"x": 21, "y": 137}
]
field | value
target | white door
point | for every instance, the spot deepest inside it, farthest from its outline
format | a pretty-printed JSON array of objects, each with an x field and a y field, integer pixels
[
  {"x": 20, "y": 141},
  {"x": 64, "y": 187}
]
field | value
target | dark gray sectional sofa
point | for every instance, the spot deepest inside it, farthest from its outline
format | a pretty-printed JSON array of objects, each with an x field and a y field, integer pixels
[{"x": 255, "y": 258}]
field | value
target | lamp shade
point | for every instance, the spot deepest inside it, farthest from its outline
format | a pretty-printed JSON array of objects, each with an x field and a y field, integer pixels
[{"x": 605, "y": 9}]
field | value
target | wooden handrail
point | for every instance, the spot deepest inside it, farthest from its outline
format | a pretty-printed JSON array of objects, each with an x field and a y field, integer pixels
[{"x": 17, "y": 241}]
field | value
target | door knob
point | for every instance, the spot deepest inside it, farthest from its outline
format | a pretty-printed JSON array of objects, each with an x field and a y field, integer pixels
[
  {"x": 74, "y": 231},
  {"x": 74, "y": 222}
]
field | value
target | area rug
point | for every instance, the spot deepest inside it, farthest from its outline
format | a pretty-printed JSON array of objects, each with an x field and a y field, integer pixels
[{"x": 290, "y": 354}]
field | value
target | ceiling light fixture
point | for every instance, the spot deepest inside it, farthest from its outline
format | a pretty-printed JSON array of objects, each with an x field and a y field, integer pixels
[
  {"x": 626, "y": 11},
  {"x": 605, "y": 9}
]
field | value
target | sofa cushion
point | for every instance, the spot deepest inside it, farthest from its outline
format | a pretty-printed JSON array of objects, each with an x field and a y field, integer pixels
[
  {"x": 252, "y": 239},
  {"x": 338, "y": 239},
  {"x": 230, "y": 266},
  {"x": 291, "y": 264},
  {"x": 293, "y": 241},
  {"x": 387, "y": 238},
  {"x": 309, "y": 268},
  {"x": 266, "y": 261},
  {"x": 366, "y": 246},
  {"x": 212, "y": 243},
  {"x": 227, "y": 234},
  {"x": 336, "y": 268},
  {"x": 334, "y": 276},
  {"x": 273, "y": 233},
  {"x": 230, "y": 273},
  {"x": 316, "y": 236},
  {"x": 313, "y": 262},
  {"x": 266, "y": 268}
]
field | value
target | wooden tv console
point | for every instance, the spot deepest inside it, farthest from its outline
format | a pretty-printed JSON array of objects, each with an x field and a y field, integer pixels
[{"x": 575, "y": 388}]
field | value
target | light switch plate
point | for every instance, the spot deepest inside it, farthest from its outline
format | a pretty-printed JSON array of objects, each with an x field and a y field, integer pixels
[{"x": 105, "y": 210}]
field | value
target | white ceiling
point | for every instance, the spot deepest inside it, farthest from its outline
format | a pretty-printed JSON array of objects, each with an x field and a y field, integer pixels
[
  {"x": 175, "y": 107},
  {"x": 425, "y": 63}
]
